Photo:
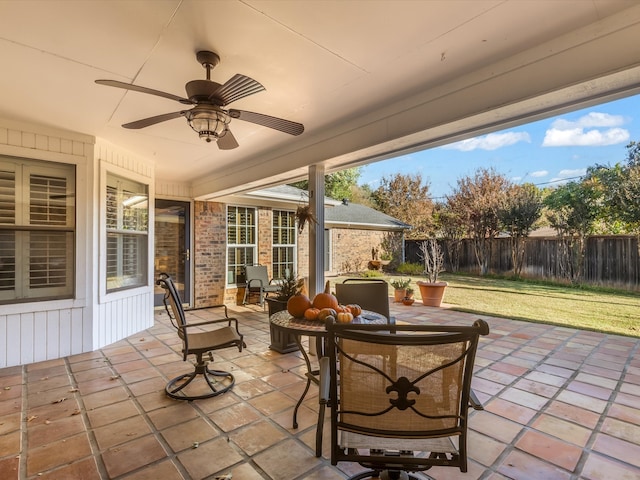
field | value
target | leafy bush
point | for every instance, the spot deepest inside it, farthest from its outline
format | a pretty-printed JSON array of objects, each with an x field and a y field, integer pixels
[
  {"x": 409, "y": 268},
  {"x": 372, "y": 273}
]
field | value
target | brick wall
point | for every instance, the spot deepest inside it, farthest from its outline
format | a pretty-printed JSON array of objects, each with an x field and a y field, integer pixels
[
  {"x": 210, "y": 254},
  {"x": 351, "y": 249}
]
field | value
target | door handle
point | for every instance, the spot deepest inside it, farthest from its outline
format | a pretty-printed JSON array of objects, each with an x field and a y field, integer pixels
[{"x": 187, "y": 254}]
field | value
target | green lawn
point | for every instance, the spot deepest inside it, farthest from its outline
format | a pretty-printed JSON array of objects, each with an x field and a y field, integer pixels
[{"x": 587, "y": 308}]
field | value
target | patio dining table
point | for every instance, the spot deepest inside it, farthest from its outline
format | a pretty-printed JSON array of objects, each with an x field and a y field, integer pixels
[{"x": 300, "y": 327}]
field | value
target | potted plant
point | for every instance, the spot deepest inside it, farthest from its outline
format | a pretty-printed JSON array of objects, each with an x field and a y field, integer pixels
[
  {"x": 408, "y": 298},
  {"x": 399, "y": 288},
  {"x": 290, "y": 285},
  {"x": 432, "y": 291}
]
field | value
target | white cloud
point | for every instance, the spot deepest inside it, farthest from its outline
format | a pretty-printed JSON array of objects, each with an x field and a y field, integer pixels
[
  {"x": 539, "y": 173},
  {"x": 492, "y": 141},
  {"x": 593, "y": 129},
  {"x": 516, "y": 179},
  {"x": 578, "y": 172}
]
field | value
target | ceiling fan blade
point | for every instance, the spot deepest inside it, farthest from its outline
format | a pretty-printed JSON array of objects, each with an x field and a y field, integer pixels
[
  {"x": 146, "y": 122},
  {"x": 150, "y": 91},
  {"x": 237, "y": 87},
  {"x": 227, "y": 141},
  {"x": 286, "y": 126}
]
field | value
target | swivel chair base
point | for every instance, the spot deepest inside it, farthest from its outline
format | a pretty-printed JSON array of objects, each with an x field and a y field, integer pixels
[{"x": 218, "y": 382}]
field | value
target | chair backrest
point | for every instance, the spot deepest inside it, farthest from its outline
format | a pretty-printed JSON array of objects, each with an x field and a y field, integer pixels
[
  {"x": 371, "y": 294},
  {"x": 257, "y": 272},
  {"x": 400, "y": 385},
  {"x": 172, "y": 301}
]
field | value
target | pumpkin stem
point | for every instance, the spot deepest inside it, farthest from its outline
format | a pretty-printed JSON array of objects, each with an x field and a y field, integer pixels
[{"x": 327, "y": 287}]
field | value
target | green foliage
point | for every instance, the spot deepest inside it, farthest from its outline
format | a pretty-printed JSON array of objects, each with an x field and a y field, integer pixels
[
  {"x": 408, "y": 268},
  {"x": 406, "y": 198},
  {"x": 521, "y": 210},
  {"x": 290, "y": 285},
  {"x": 400, "y": 284},
  {"x": 476, "y": 201},
  {"x": 372, "y": 274},
  {"x": 337, "y": 185}
]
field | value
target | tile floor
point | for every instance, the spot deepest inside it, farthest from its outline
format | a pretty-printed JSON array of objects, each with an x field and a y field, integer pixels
[{"x": 559, "y": 404}]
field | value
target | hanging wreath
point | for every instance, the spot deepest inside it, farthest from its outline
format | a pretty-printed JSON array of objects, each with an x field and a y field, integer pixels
[{"x": 304, "y": 215}]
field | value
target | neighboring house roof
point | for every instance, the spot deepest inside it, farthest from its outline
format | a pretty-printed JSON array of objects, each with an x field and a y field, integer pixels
[
  {"x": 336, "y": 214},
  {"x": 354, "y": 215}
]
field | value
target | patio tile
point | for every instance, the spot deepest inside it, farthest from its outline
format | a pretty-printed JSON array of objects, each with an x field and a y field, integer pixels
[
  {"x": 133, "y": 455},
  {"x": 617, "y": 448},
  {"x": 532, "y": 394},
  {"x": 510, "y": 410},
  {"x": 622, "y": 430},
  {"x": 58, "y": 453},
  {"x": 186, "y": 435},
  {"x": 598, "y": 467},
  {"x": 296, "y": 462},
  {"x": 574, "y": 414},
  {"x": 215, "y": 456},
  {"x": 567, "y": 431},
  {"x": 520, "y": 466},
  {"x": 258, "y": 437}
]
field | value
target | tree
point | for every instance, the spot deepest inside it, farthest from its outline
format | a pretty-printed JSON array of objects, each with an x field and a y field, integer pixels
[
  {"x": 451, "y": 228},
  {"x": 406, "y": 198},
  {"x": 573, "y": 211},
  {"x": 477, "y": 200},
  {"x": 522, "y": 209},
  {"x": 337, "y": 185}
]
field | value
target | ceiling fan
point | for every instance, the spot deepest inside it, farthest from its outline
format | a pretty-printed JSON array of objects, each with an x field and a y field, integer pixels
[{"x": 208, "y": 117}]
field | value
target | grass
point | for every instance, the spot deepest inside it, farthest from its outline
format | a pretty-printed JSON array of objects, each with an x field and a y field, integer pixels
[{"x": 588, "y": 308}]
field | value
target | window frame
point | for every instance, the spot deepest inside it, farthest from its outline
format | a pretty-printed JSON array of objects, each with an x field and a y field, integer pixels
[
  {"x": 26, "y": 229},
  {"x": 292, "y": 246},
  {"x": 144, "y": 273},
  {"x": 231, "y": 282}
]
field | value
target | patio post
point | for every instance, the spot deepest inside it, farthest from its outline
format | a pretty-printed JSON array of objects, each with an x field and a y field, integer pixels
[{"x": 316, "y": 230}]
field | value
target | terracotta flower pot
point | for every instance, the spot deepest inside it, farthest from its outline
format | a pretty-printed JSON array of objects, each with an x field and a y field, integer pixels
[
  {"x": 408, "y": 301},
  {"x": 399, "y": 294},
  {"x": 432, "y": 293}
]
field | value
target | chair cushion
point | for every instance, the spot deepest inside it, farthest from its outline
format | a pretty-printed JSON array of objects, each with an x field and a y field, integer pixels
[{"x": 212, "y": 339}]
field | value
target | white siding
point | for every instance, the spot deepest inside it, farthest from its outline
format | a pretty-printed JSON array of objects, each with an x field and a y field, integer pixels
[{"x": 37, "y": 331}]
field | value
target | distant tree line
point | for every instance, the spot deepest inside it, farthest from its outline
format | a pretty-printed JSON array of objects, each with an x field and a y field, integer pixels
[{"x": 486, "y": 205}]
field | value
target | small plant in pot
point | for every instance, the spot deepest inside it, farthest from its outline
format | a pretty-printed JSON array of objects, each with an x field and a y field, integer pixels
[
  {"x": 432, "y": 291},
  {"x": 400, "y": 288},
  {"x": 281, "y": 340},
  {"x": 408, "y": 298},
  {"x": 290, "y": 285}
]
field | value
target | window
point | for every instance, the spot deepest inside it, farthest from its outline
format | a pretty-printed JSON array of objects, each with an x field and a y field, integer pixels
[
  {"x": 241, "y": 241},
  {"x": 127, "y": 233},
  {"x": 284, "y": 243},
  {"x": 37, "y": 230}
]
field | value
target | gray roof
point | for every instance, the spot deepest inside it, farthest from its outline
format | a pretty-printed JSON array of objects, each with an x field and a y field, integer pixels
[{"x": 354, "y": 215}]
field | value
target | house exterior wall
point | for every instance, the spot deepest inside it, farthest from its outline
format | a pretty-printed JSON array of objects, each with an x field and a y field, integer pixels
[
  {"x": 44, "y": 330},
  {"x": 351, "y": 249},
  {"x": 123, "y": 313}
]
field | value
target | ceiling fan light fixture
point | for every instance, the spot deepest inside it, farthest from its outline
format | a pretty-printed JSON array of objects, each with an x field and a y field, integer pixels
[{"x": 210, "y": 125}]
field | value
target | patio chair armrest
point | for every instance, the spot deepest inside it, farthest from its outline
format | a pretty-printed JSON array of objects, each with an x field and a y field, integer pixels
[
  {"x": 325, "y": 380},
  {"x": 228, "y": 321}
]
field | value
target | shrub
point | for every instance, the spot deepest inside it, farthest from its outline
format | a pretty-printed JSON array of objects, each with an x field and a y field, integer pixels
[
  {"x": 409, "y": 268},
  {"x": 372, "y": 273}
]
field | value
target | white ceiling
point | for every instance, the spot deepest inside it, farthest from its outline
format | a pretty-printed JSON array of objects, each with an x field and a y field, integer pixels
[{"x": 368, "y": 79}]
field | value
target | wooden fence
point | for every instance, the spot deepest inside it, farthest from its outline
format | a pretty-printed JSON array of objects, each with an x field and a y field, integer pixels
[{"x": 610, "y": 260}]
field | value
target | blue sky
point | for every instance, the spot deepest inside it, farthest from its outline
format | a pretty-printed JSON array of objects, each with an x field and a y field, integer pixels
[{"x": 546, "y": 152}]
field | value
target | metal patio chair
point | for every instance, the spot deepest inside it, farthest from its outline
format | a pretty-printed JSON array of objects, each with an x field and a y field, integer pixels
[
  {"x": 403, "y": 412},
  {"x": 199, "y": 339}
]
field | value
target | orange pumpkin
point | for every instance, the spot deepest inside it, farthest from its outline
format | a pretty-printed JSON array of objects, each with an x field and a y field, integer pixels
[
  {"x": 355, "y": 309},
  {"x": 311, "y": 313},
  {"x": 325, "y": 300},
  {"x": 297, "y": 305}
]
